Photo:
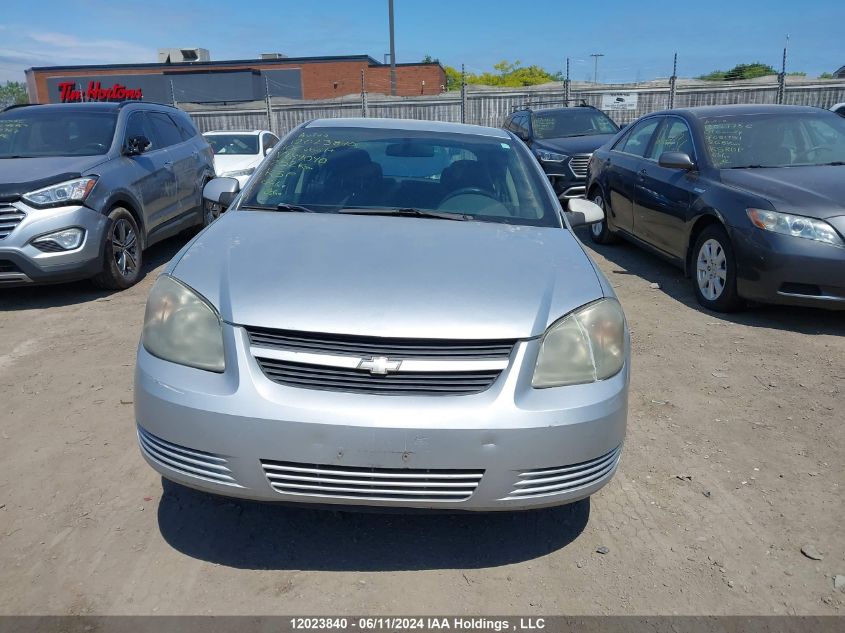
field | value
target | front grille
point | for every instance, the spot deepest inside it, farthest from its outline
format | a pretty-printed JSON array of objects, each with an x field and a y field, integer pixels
[
  {"x": 10, "y": 217},
  {"x": 187, "y": 461},
  {"x": 362, "y": 381},
  {"x": 578, "y": 165},
  {"x": 371, "y": 484},
  {"x": 368, "y": 346},
  {"x": 8, "y": 267},
  {"x": 552, "y": 481}
]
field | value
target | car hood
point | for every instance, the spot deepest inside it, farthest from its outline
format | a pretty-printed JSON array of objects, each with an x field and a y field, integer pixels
[
  {"x": 22, "y": 175},
  {"x": 388, "y": 276},
  {"x": 573, "y": 145},
  {"x": 233, "y": 162},
  {"x": 817, "y": 192}
]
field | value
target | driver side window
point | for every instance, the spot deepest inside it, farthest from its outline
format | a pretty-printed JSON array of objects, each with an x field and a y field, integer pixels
[{"x": 135, "y": 126}]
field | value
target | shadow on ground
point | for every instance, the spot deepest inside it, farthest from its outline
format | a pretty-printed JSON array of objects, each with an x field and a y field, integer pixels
[
  {"x": 627, "y": 259},
  {"x": 251, "y": 535},
  {"x": 48, "y": 296}
]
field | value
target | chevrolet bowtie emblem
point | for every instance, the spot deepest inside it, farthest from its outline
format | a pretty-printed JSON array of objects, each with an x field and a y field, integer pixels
[{"x": 380, "y": 365}]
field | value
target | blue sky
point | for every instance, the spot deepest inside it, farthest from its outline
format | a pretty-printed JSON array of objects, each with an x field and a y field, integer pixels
[{"x": 637, "y": 38}]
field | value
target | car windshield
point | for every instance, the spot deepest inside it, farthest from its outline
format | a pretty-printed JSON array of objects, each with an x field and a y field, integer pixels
[
  {"x": 571, "y": 122},
  {"x": 775, "y": 140},
  {"x": 229, "y": 144},
  {"x": 329, "y": 169},
  {"x": 34, "y": 132}
]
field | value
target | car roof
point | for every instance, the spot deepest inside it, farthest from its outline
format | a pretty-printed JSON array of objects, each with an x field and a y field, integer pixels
[
  {"x": 700, "y": 112},
  {"x": 412, "y": 125}
]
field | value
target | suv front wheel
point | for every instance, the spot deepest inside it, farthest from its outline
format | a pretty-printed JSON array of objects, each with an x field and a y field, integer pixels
[{"x": 123, "y": 256}]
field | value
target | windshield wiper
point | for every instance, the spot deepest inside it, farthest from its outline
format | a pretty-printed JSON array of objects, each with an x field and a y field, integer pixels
[
  {"x": 409, "y": 212},
  {"x": 283, "y": 206},
  {"x": 754, "y": 167},
  {"x": 836, "y": 163}
]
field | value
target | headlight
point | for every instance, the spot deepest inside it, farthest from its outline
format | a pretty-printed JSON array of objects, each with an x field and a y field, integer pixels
[
  {"x": 584, "y": 346},
  {"x": 550, "y": 157},
  {"x": 181, "y": 326},
  {"x": 795, "y": 225},
  {"x": 62, "y": 193},
  {"x": 238, "y": 172},
  {"x": 65, "y": 240}
]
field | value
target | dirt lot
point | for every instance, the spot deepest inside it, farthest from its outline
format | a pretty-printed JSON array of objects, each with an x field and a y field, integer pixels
[{"x": 734, "y": 461}]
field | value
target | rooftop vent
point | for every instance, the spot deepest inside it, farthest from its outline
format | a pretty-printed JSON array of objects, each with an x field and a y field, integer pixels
[
  {"x": 181, "y": 55},
  {"x": 273, "y": 56}
]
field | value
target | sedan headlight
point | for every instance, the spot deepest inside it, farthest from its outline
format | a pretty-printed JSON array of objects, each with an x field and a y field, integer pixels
[
  {"x": 182, "y": 327},
  {"x": 584, "y": 346},
  {"x": 795, "y": 225},
  {"x": 550, "y": 157},
  {"x": 238, "y": 172},
  {"x": 62, "y": 193}
]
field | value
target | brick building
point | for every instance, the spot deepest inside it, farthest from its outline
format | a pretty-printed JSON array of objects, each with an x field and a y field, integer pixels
[{"x": 231, "y": 81}]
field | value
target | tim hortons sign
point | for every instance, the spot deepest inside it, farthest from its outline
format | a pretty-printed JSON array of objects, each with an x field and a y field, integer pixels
[{"x": 70, "y": 92}]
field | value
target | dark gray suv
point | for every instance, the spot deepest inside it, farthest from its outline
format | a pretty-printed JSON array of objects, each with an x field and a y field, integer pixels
[{"x": 85, "y": 188}]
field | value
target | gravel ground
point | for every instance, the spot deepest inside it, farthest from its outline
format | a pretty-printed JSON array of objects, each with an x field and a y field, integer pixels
[{"x": 733, "y": 463}]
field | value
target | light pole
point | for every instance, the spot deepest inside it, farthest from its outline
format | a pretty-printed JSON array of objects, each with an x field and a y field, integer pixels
[
  {"x": 392, "y": 50},
  {"x": 595, "y": 57}
]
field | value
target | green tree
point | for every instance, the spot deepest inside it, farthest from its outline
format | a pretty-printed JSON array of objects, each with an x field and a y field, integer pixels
[
  {"x": 740, "y": 71},
  {"x": 12, "y": 93},
  {"x": 826, "y": 76},
  {"x": 505, "y": 74}
]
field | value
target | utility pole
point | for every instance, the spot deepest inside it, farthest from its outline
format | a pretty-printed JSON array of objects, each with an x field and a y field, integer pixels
[
  {"x": 364, "y": 105},
  {"x": 172, "y": 93},
  {"x": 267, "y": 103},
  {"x": 672, "y": 81},
  {"x": 463, "y": 94},
  {"x": 566, "y": 84},
  {"x": 782, "y": 76},
  {"x": 392, "y": 50},
  {"x": 595, "y": 57}
]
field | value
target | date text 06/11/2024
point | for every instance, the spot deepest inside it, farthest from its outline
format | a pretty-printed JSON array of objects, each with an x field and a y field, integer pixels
[{"x": 398, "y": 623}]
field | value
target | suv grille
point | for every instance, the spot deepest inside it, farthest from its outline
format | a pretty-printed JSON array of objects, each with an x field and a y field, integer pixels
[
  {"x": 10, "y": 217},
  {"x": 376, "y": 365},
  {"x": 372, "y": 484},
  {"x": 578, "y": 165}
]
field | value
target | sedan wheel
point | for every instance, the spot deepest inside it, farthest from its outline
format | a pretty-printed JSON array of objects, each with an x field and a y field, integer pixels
[
  {"x": 599, "y": 232},
  {"x": 714, "y": 277}
]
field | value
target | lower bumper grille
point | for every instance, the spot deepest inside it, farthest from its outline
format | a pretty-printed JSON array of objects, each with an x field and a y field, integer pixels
[
  {"x": 552, "y": 481},
  {"x": 362, "y": 381},
  {"x": 187, "y": 461},
  {"x": 8, "y": 267},
  {"x": 371, "y": 484}
]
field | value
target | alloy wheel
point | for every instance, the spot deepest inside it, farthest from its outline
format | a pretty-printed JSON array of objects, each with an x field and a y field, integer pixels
[
  {"x": 711, "y": 269},
  {"x": 598, "y": 227},
  {"x": 124, "y": 247}
]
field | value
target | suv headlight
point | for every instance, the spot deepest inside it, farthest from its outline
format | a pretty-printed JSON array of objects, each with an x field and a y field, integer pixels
[
  {"x": 550, "y": 157},
  {"x": 584, "y": 346},
  {"x": 69, "y": 191},
  {"x": 238, "y": 172},
  {"x": 182, "y": 327},
  {"x": 795, "y": 225}
]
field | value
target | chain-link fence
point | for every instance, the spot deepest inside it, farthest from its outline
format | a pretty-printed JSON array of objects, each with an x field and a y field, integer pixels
[{"x": 489, "y": 106}]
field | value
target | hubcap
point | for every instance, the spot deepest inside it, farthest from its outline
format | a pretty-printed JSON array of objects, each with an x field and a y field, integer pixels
[
  {"x": 711, "y": 269},
  {"x": 124, "y": 247},
  {"x": 598, "y": 227}
]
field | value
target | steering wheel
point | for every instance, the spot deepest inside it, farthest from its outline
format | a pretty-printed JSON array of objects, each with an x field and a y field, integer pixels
[
  {"x": 817, "y": 148},
  {"x": 468, "y": 191}
]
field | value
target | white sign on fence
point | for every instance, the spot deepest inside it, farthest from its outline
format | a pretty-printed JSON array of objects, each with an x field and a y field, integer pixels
[{"x": 625, "y": 101}]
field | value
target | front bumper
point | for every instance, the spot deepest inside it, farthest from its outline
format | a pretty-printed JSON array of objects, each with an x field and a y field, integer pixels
[
  {"x": 775, "y": 268},
  {"x": 234, "y": 433},
  {"x": 565, "y": 182},
  {"x": 22, "y": 263}
]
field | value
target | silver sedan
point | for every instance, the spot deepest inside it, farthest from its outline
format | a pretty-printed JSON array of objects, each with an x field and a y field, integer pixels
[{"x": 392, "y": 313}]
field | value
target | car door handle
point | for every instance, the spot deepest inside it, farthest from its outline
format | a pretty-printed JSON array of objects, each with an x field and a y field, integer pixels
[
  {"x": 168, "y": 164},
  {"x": 643, "y": 173}
]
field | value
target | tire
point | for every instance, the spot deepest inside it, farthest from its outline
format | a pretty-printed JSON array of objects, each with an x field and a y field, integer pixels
[
  {"x": 599, "y": 232},
  {"x": 714, "y": 271},
  {"x": 123, "y": 252}
]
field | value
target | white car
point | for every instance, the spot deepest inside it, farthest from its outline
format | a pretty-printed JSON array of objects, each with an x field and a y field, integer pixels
[
  {"x": 237, "y": 153},
  {"x": 839, "y": 108}
]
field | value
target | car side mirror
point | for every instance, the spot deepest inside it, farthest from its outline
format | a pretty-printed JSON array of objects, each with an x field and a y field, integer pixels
[
  {"x": 267, "y": 150},
  {"x": 522, "y": 134},
  {"x": 582, "y": 212},
  {"x": 137, "y": 145},
  {"x": 221, "y": 191},
  {"x": 676, "y": 160}
]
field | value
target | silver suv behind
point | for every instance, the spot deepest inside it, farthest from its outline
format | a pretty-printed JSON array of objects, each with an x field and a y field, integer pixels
[{"x": 84, "y": 188}]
